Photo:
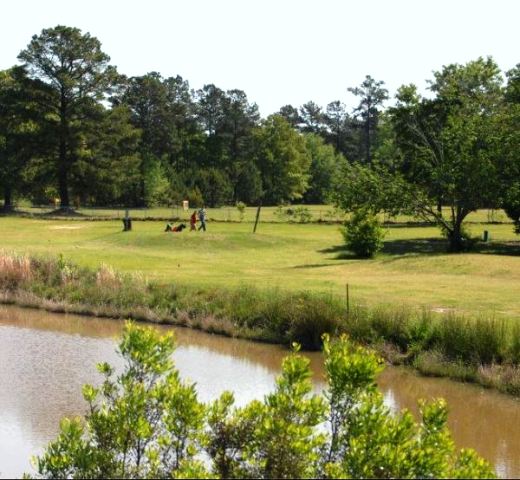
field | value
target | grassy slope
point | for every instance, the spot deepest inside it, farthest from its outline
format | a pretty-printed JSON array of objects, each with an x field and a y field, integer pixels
[{"x": 412, "y": 270}]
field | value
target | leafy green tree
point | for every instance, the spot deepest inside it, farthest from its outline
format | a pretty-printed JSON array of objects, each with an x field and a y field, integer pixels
[
  {"x": 164, "y": 110},
  {"x": 240, "y": 117},
  {"x": 291, "y": 114},
  {"x": 372, "y": 94},
  {"x": 508, "y": 127},
  {"x": 146, "y": 422},
  {"x": 282, "y": 159},
  {"x": 78, "y": 76},
  {"x": 368, "y": 441},
  {"x": 340, "y": 130},
  {"x": 445, "y": 152},
  {"x": 215, "y": 187},
  {"x": 211, "y": 104},
  {"x": 448, "y": 146},
  {"x": 249, "y": 187},
  {"x": 276, "y": 438},
  {"x": 18, "y": 130},
  {"x": 323, "y": 168},
  {"x": 107, "y": 170},
  {"x": 312, "y": 118},
  {"x": 147, "y": 98},
  {"x": 376, "y": 188}
]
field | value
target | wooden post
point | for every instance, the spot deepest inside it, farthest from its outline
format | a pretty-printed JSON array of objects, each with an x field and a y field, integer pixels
[
  {"x": 348, "y": 299},
  {"x": 257, "y": 216}
]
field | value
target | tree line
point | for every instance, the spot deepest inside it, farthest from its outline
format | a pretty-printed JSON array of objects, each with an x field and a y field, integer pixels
[{"x": 73, "y": 127}]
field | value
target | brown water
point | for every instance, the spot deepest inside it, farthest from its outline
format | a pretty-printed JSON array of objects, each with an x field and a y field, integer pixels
[{"x": 46, "y": 358}]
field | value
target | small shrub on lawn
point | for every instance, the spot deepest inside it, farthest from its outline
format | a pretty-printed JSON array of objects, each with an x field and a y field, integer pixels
[{"x": 363, "y": 234}]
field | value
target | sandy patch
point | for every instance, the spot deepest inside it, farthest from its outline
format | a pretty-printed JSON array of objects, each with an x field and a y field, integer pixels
[
  {"x": 443, "y": 310},
  {"x": 67, "y": 227}
]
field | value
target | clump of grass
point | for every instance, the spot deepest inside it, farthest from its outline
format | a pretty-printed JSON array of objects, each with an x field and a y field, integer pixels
[
  {"x": 481, "y": 341},
  {"x": 434, "y": 363},
  {"x": 14, "y": 270},
  {"x": 107, "y": 278},
  {"x": 505, "y": 378},
  {"x": 514, "y": 347}
]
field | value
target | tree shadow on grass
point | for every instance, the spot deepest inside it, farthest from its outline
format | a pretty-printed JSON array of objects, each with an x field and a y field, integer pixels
[
  {"x": 49, "y": 214},
  {"x": 427, "y": 246},
  {"x": 313, "y": 265},
  {"x": 511, "y": 248}
]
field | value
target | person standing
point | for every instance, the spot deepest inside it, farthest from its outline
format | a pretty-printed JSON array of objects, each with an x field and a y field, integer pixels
[
  {"x": 193, "y": 221},
  {"x": 202, "y": 218}
]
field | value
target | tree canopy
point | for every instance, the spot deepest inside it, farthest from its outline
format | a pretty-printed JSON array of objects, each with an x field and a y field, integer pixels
[
  {"x": 445, "y": 152},
  {"x": 72, "y": 127}
]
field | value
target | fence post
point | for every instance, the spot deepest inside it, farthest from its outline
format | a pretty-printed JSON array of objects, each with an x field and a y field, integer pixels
[{"x": 348, "y": 299}]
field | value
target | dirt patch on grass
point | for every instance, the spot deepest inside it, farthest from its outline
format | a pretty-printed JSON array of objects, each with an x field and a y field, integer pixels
[
  {"x": 66, "y": 227},
  {"x": 444, "y": 310}
]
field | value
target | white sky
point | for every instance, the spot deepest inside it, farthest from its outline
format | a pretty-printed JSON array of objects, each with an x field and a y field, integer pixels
[{"x": 279, "y": 52}]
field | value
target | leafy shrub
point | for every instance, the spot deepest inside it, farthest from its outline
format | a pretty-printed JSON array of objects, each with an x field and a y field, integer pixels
[
  {"x": 363, "y": 234},
  {"x": 147, "y": 422},
  {"x": 293, "y": 214},
  {"x": 241, "y": 207},
  {"x": 302, "y": 214}
]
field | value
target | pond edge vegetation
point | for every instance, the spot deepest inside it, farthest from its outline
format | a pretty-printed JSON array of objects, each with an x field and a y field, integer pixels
[{"x": 483, "y": 349}]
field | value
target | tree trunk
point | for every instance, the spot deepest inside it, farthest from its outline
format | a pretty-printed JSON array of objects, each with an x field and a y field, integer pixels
[
  {"x": 257, "y": 215},
  {"x": 8, "y": 200},
  {"x": 368, "y": 140},
  {"x": 457, "y": 241},
  {"x": 63, "y": 188},
  {"x": 63, "y": 184}
]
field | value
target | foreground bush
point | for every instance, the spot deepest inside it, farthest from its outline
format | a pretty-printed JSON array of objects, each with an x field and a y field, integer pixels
[{"x": 147, "y": 422}]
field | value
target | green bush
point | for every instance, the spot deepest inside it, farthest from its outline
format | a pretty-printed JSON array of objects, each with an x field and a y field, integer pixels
[
  {"x": 293, "y": 214},
  {"x": 146, "y": 422},
  {"x": 363, "y": 234},
  {"x": 241, "y": 207}
]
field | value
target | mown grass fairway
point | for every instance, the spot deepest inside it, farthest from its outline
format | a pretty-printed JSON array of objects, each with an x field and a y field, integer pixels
[{"x": 412, "y": 270}]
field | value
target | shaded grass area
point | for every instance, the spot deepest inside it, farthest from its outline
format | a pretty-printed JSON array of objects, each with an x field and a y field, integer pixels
[{"x": 480, "y": 349}]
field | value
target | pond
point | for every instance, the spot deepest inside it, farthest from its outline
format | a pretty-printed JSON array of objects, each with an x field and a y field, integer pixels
[{"x": 45, "y": 359}]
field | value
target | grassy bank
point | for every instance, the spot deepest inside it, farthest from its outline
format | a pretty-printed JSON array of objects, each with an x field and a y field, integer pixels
[{"x": 483, "y": 350}]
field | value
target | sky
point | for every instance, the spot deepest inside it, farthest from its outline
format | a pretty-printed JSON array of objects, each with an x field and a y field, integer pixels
[{"x": 279, "y": 52}]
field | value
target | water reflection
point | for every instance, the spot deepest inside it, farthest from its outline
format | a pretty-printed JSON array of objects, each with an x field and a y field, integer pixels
[{"x": 46, "y": 358}]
